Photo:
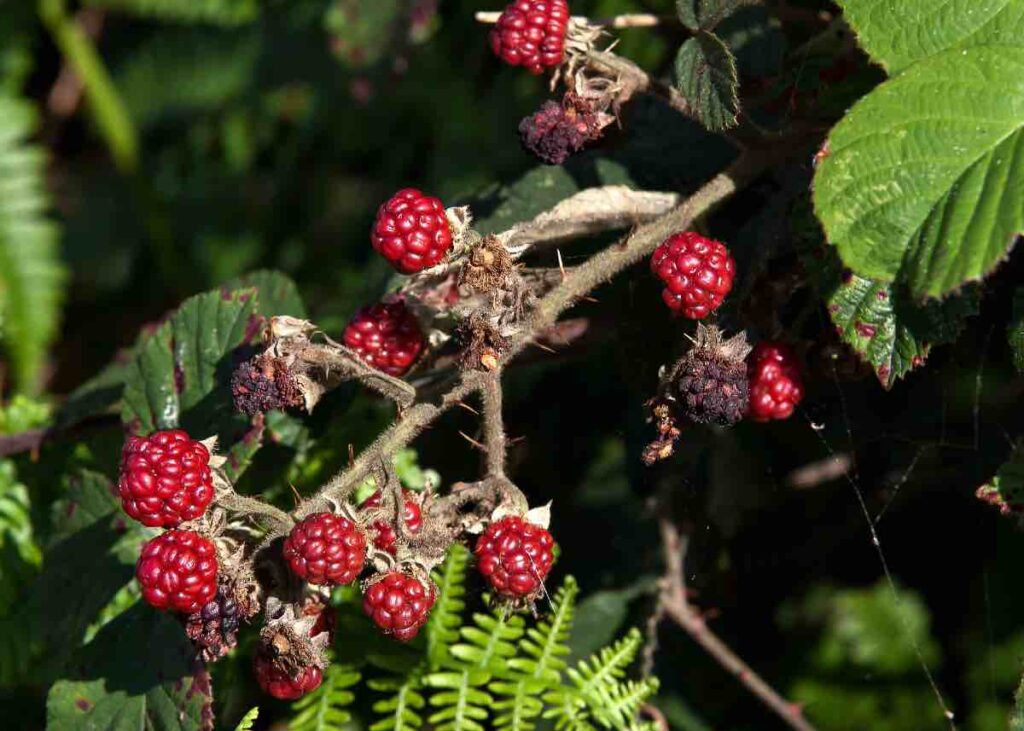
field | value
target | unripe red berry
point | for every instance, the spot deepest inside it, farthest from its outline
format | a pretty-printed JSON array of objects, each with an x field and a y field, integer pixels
[
  {"x": 387, "y": 336},
  {"x": 399, "y": 604},
  {"x": 515, "y": 557},
  {"x": 165, "y": 478},
  {"x": 276, "y": 682},
  {"x": 325, "y": 549},
  {"x": 382, "y": 532},
  {"x": 177, "y": 571},
  {"x": 697, "y": 272},
  {"x": 531, "y": 33},
  {"x": 411, "y": 231},
  {"x": 776, "y": 386}
]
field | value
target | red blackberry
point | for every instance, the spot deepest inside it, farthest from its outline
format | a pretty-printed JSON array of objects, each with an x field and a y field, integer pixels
[
  {"x": 387, "y": 336},
  {"x": 697, "y": 273},
  {"x": 165, "y": 478},
  {"x": 276, "y": 682},
  {"x": 178, "y": 571},
  {"x": 399, "y": 604},
  {"x": 411, "y": 231},
  {"x": 531, "y": 33},
  {"x": 776, "y": 386},
  {"x": 326, "y": 549},
  {"x": 382, "y": 532},
  {"x": 515, "y": 557}
]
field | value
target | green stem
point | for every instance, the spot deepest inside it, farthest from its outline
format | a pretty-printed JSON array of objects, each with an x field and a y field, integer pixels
[{"x": 108, "y": 111}]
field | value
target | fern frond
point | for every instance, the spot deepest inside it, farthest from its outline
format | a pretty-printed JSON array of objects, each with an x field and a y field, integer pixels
[
  {"x": 30, "y": 271},
  {"x": 518, "y": 704},
  {"x": 490, "y": 642},
  {"x": 620, "y": 702},
  {"x": 248, "y": 719},
  {"x": 19, "y": 553},
  {"x": 446, "y": 616},
  {"x": 217, "y": 12},
  {"x": 596, "y": 674},
  {"x": 462, "y": 701},
  {"x": 324, "y": 708},
  {"x": 546, "y": 644},
  {"x": 567, "y": 709},
  {"x": 399, "y": 711}
]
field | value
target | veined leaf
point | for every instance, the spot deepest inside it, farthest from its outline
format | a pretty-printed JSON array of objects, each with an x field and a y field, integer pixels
[
  {"x": 924, "y": 178},
  {"x": 135, "y": 676},
  {"x": 706, "y": 77},
  {"x": 896, "y": 33}
]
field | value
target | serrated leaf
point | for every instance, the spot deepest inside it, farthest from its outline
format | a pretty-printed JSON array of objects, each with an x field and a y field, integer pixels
[
  {"x": 706, "y": 77},
  {"x": 896, "y": 33},
  {"x": 135, "y": 676},
  {"x": 1006, "y": 488},
  {"x": 31, "y": 276},
  {"x": 706, "y": 14},
  {"x": 186, "y": 364},
  {"x": 276, "y": 292},
  {"x": 923, "y": 179},
  {"x": 1015, "y": 330}
]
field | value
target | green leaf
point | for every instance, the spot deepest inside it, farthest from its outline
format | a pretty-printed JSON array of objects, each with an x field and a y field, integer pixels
[
  {"x": 277, "y": 293},
  {"x": 19, "y": 553},
  {"x": 247, "y": 721},
  {"x": 186, "y": 362},
  {"x": 706, "y": 14},
  {"x": 217, "y": 12},
  {"x": 923, "y": 179},
  {"x": 1015, "y": 330},
  {"x": 31, "y": 276},
  {"x": 706, "y": 76},
  {"x": 135, "y": 676},
  {"x": 1006, "y": 488},
  {"x": 896, "y": 33}
]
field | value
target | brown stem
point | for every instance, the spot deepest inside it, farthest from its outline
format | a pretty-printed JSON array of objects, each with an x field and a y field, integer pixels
[
  {"x": 494, "y": 428},
  {"x": 679, "y": 609},
  {"x": 253, "y": 506}
]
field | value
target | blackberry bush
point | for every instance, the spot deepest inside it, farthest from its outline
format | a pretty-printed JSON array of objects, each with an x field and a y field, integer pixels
[{"x": 254, "y": 270}]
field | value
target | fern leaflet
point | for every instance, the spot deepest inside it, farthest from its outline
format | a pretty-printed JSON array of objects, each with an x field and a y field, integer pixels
[
  {"x": 324, "y": 708},
  {"x": 446, "y": 616},
  {"x": 30, "y": 271},
  {"x": 248, "y": 719},
  {"x": 399, "y": 711}
]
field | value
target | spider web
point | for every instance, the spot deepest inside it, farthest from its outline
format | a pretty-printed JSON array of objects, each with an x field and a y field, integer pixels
[{"x": 852, "y": 479}]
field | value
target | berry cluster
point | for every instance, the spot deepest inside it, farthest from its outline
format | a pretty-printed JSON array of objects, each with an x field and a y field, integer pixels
[
  {"x": 411, "y": 231},
  {"x": 179, "y": 570},
  {"x": 697, "y": 272},
  {"x": 775, "y": 383},
  {"x": 165, "y": 479},
  {"x": 531, "y": 34},
  {"x": 387, "y": 336}
]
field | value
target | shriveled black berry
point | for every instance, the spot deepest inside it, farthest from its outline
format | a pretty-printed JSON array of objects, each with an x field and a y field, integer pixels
[
  {"x": 709, "y": 384},
  {"x": 712, "y": 390},
  {"x": 264, "y": 384},
  {"x": 214, "y": 628},
  {"x": 557, "y": 130}
]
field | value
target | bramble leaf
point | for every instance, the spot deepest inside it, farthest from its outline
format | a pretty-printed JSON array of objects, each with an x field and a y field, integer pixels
[{"x": 706, "y": 77}]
